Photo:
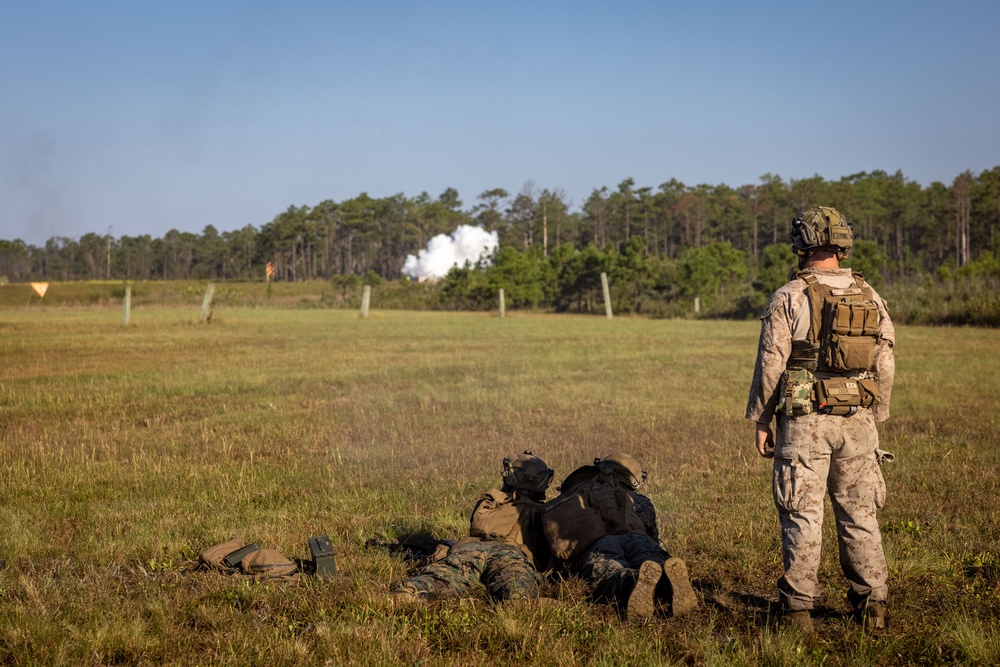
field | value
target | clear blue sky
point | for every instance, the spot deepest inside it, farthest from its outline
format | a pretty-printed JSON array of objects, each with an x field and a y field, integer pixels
[{"x": 140, "y": 117}]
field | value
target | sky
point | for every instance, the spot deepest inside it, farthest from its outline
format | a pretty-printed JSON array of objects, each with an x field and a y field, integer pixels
[{"x": 131, "y": 118}]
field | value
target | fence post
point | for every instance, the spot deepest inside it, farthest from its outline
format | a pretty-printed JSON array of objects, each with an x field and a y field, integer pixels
[
  {"x": 127, "y": 306},
  {"x": 502, "y": 309},
  {"x": 366, "y": 297},
  {"x": 607, "y": 294},
  {"x": 206, "y": 304}
]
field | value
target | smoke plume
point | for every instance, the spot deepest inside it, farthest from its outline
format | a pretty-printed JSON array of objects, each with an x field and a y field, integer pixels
[{"x": 467, "y": 243}]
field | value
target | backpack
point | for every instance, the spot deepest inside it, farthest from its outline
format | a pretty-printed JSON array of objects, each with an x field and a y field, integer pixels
[
  {"x": 590, "y": 506},
  {"x": 505, "y": 517}
]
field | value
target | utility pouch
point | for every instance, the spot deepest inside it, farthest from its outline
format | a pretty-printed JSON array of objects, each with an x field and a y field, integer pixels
[
  {"x": 797, "y": 392},
  {"x": 843, "y": 396},
  {"x": 850, "y": 353},
  {"x": 870, "y": 395}
]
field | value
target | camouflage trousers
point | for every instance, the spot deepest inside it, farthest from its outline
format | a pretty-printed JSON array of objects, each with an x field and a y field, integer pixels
[
  {"x": 611, "y": 565},
  {"x": 503, "y": 569},
  {"x": 816, "y": 455}
]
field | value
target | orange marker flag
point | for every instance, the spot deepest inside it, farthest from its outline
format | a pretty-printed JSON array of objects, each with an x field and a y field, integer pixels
[{"x": 40, "y": 288}]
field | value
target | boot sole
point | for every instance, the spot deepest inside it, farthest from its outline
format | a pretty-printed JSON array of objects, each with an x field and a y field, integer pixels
[
  {"x": 642, "y": 601},
  {"x": 682, "y": 597}
]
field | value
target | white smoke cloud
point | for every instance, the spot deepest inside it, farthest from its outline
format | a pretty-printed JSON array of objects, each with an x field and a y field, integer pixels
[{"x": 467, "y": 243}]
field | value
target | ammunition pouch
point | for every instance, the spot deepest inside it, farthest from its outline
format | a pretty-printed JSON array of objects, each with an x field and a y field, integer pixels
[{"x": 843, "y": 396}]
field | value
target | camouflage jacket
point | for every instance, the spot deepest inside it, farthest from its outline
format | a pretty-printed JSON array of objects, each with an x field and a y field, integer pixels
[{"x": 786, "y": 318}]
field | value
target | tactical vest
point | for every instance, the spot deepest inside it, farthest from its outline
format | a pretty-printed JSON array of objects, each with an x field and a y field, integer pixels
[
  {"x": 841, "y": 342},
  {"x": 843, "y": 328},
  {"x": 575, "y": 520},
  {"x": 503, "y": 517}
]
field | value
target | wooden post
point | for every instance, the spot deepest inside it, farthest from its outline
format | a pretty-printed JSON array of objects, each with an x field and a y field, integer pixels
[
  {"x": 366, "y": 298},
  {"x": 607, "y": 294},
  {"x": 697, "y": 305},
  {"x": 502, "y": 309},
  {"x": 206, "y": 305},
  {"x": 127, "y": 306}
]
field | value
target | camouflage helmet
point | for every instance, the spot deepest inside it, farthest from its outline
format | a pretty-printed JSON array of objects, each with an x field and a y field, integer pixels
[
  {"x": 821, "y": 227},
  {"x": 527, "y": 473},
  {"x": 624, "y": 466}
]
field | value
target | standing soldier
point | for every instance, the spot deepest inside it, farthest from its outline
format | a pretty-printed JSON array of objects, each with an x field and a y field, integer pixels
[
  {"x": 825, "y": 368},
  {"x": 606, "y": 532},
  {"x": 505, "y": 551}
]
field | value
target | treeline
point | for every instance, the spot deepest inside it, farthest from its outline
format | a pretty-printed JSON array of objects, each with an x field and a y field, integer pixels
[
  {"x": 909, "y": 232},
  {"x": 715, "y": 280},
  {"x": 918, "y": 228}
]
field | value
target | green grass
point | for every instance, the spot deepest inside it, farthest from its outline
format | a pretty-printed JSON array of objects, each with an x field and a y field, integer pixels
[{"x": 125, "y": 451}]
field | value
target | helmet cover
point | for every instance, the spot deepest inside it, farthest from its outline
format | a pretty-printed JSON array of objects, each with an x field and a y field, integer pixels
[
  {"x": 624, "y": 466},
  {"x": 821, "y": 227},
  {"x": 527, "y": 472}
]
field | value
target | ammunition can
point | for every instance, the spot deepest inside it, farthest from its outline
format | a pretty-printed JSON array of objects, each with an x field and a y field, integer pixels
[{"x": 323, "y": 562}]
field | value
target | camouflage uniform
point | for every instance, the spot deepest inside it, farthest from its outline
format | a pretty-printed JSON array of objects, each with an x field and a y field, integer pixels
[
  {"x": 471, "y": 564},
  {"x": 818, "y": 453},
  {"x": 506, "y": 570}
]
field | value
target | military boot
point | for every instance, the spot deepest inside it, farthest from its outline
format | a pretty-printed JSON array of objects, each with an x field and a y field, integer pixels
[
  {"x": 682, "y": 598},
  {"x": 642, "y": 600},
  {"x": 405, "y": 594},
  {"x": 872, "y": 617}
]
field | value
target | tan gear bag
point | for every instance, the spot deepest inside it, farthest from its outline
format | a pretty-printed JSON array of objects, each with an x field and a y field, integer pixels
[
  {"x": 495, "y": 518},
  {"x": 501, "y": 517},
  {"x": 269, "y": 564},
  {"x": 215, "y": 557}
]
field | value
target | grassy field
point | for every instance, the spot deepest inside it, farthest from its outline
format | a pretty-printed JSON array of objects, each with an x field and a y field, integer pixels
[{"x": 126, "y": 451}]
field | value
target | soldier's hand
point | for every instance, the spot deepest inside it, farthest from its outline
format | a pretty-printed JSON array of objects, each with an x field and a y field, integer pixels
[{"x": 765, "y": 440}]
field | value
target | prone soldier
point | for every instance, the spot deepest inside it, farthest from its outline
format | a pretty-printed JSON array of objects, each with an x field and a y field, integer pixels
[
  {"x": 505, "y": 551},
  {"x": 606, "y": 532}
]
